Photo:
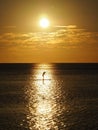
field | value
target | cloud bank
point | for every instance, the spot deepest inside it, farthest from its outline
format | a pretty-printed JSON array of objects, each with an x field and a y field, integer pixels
[{"x": 62, "y": 37}]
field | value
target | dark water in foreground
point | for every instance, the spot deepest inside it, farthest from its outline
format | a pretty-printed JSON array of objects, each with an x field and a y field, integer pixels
[{"x": 66, "y": 100}]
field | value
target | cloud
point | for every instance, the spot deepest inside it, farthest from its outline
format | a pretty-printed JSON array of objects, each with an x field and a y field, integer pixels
[
  {"x": 9, "y": 27},
  {"x": 64, "y": 37},
  {"x": 69, "y": 26}
]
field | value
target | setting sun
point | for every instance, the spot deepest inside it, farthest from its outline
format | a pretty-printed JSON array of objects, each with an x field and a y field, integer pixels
[{"x": 44, "y": 23}]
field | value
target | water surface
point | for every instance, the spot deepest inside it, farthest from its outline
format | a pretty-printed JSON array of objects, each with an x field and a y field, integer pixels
[{"x": 67, "y": 98}]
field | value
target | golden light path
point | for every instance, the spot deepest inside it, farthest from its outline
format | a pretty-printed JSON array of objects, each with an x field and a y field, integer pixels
[{"x": 42, "y": 104}]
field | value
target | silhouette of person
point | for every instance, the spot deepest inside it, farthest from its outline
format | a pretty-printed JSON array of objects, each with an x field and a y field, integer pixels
[{"x": 43, "y": 74}]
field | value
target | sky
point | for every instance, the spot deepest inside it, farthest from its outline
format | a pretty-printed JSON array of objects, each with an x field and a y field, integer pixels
[{"x": 71, "y": 37}]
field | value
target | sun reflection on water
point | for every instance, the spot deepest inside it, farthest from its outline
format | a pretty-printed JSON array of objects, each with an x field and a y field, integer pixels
[{"x": 42, "y": 104}]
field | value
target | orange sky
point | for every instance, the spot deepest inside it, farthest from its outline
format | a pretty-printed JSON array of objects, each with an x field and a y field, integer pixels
[{"x": 72, "y": 36}]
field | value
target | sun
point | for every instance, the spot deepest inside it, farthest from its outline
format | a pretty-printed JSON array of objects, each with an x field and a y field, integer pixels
[{"x": 44, "y": 23}]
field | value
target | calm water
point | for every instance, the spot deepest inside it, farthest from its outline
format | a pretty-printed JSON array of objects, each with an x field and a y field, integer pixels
[{"x": 67, "y": 99}]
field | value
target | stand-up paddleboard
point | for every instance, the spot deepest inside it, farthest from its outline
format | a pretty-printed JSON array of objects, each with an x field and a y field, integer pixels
[{"x": 42, "y": 79}]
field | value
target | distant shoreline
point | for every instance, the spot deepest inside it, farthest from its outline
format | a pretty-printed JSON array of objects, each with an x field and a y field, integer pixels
[{"x": 84, "y": 66}]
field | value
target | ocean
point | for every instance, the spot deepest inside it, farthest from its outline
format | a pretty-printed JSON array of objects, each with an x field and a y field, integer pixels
[{"x": 66, "y": 98}]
